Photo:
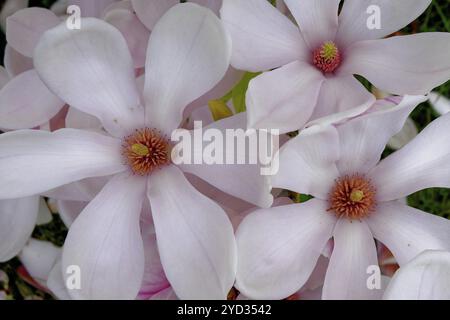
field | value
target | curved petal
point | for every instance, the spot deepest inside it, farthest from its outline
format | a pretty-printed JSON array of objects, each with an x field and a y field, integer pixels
[
  {"x": 244, "y": 181},
  {"x": 17, "y": 221},
  {"x": 263, "y": 38},
  {"x": 439, "y": 103},
  {"x": 91, "y": 8},
  {"x": 166, "y": 294},
  {"x": 407, "y": 231},
  {"x": 426, "y": 277},
  {"x": 278, "y": 248},
  {"x": 354, "y": 251},
  {"x": 406, "y": 134},
  {"x": 25, "y": 102},
  {"x": 25, "y": 28},
  {"x": 77, "y": 119},
  {"x": 134, "y": 32},
  {"x": 423, "y": 163},
  {"x": 314, "y": 152},
  {"x": 318, "y": 20},
  {"x": 188, "y": 54},
  {"x": 70, "y": 210},
  {"x": 284, "y": 98},
  {"x": 15, "y": 63},
  {"x": 213, "y": 5},
  {"x": 9, "y": 7},
  {"x": 150, "y": 11},
  {"x": 91, "y": 69},
  {"x": 4, "y": 77},
  {"x": 47, "y": 160},
  {"x": 394, "y": 15},
  {"x": 413, "y": 64},
  {"x": 39, "y": 257},
  {"x": 56, "y": 284},
  {"x": 341, "y": 97},
  {"x": 361, "y": 140},
  {"x": 195, "y": 238},
  {"x": 105, "y": 242}
]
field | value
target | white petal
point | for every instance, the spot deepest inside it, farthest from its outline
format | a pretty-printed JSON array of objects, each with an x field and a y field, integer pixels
[
  {"x": 17, "y": 221},
  {"x": 354, "y": 252},
  {"x": 15, "y": 63},
  {"x": 44, "y": 214},
  {"x": 406, "y": 135},
  {"x": 213, "y": 5},
  {"x": 150, "y": 11},
  {"x": 318, "y": 20},
  {"x": 413, "y": 64},
  {"x": 70, "y": 210},
  {"x": 263, "y": 38},
  {"x": 426, "y": 277},
  {"x": 25, "y": 102},
  {"x": 195, "y": 237},
  {"x": 439, "y": 103},
  {"x": 105, "y": 242},
  {"x": 423, "y": 163},
  {"x": 394, "y": 15},
  {"x": 188, "y": 54},
  {"x": 244, "y": 181},
  {"x": 407, "y": 231},
  {"x": 56, "y": 283},
  {"x": 278, "y": 248},
  {"x": 77, "y": 119},
  {"x": 32, "y": 161},
  {"x": 91, "y": 8},
  {"x": 284, "y": 98},
  {"x": 362, "y": 141},
  {"x": 91, "y": 69},
  {"x": 314, "y": 153}
]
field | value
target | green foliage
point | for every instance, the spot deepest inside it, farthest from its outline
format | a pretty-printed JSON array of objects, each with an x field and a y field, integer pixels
[{"x": 239, "y": 91}]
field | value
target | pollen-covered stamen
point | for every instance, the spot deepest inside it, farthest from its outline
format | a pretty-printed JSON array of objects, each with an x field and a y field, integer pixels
[
  {"x": 352, "y": 197},
  {"x": 327, "y": 57},
  {"x": 146, "y": 150}
]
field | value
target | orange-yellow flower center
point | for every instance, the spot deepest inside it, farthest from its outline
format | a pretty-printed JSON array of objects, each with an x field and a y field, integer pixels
[
  {"x": 327, "y": 57},
  {"x": 352, "y": 197},
  {"x": 146, "y": 150}
]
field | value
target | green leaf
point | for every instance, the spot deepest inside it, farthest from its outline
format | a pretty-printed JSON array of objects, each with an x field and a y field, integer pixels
[{"x": 239, "y": 91}]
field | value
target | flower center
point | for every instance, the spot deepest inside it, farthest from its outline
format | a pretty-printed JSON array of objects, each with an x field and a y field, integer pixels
[
  {"x": 352, "y": 197},
  {"x": 146, "y": 150},
  {"x": 327, "y": 57}
]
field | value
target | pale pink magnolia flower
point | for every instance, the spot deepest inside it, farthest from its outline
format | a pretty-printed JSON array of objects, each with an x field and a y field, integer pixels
[
  {"x": 355, "y": 202},
  {"x": 91, "y": 69},
  {"x": 316, "y": 60},
  {"x": 150, "y": 11},
  {"x": 426, "y": 277}
]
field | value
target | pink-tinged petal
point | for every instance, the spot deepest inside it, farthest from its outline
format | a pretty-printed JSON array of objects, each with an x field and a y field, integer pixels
[
  {"x": 135, "y": 33},
  {"x": 195, "y": 238},
  {"x": 315, "y": 150},
  {"x": 166, "y": 294},
  {"x": 278, "y": 248},
  {"x": 426, "y": 277},
  {"x": 25, "y": 28},
  {"x": 213, "y": 5},
  {"x": 84, "y": 190},
  {"x": 439, "y": 103},
  {"x": 150, "y": 11},
  {"x": 361, "y": 140},
  {"x": 413, "y": 64},
  {"x": 25, "y": 102},
  {"x": 105, "y": 242},
  {"x": 244, "y": 181},
  {"x": 318, "y": 20},
  {"x": 341, "y": 97},
  {"x": 59, "y": 120},
  {"x": 38, "y": 258},
  {"x": 91, "y": 69},
  {"x": 423, "y": 163},
  {"x": 407, "y": 231},
  {"x": 56, "y": 283},
  {"x": 77, "y": 119},
  {"x": 230, "y": 79},
  {"x": 9, "y": 7},
  {"x": 91, "y": 8},
  {"x": 17, "y": 221},
  {"x": 188, "y": 54},
  {"x": 4, "y": 77},
  {"x": 16, "y": 63},
  {"x": 317, "y": 277},
  {"x": 32, "y": 161},
  {"x": 284, "y": 98},
  {"x": 354, "y": 252},
  {"x": 394, "y": 15},
  {"x": 406, "y": 134},
  {"x": 70, "y": 210},
  {"x": 263, "y": 38},
  {"x": 154, "y": 279}
]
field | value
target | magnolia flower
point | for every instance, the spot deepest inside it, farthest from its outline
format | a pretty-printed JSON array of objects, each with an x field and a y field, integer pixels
[
  {"x": 316, "y": 60},
  {"x": 426, "y": 277},
  {"x": 91, "y": 69},
  {"x": 150, "y": 11},
  {"x": 355, "y": 202}
]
